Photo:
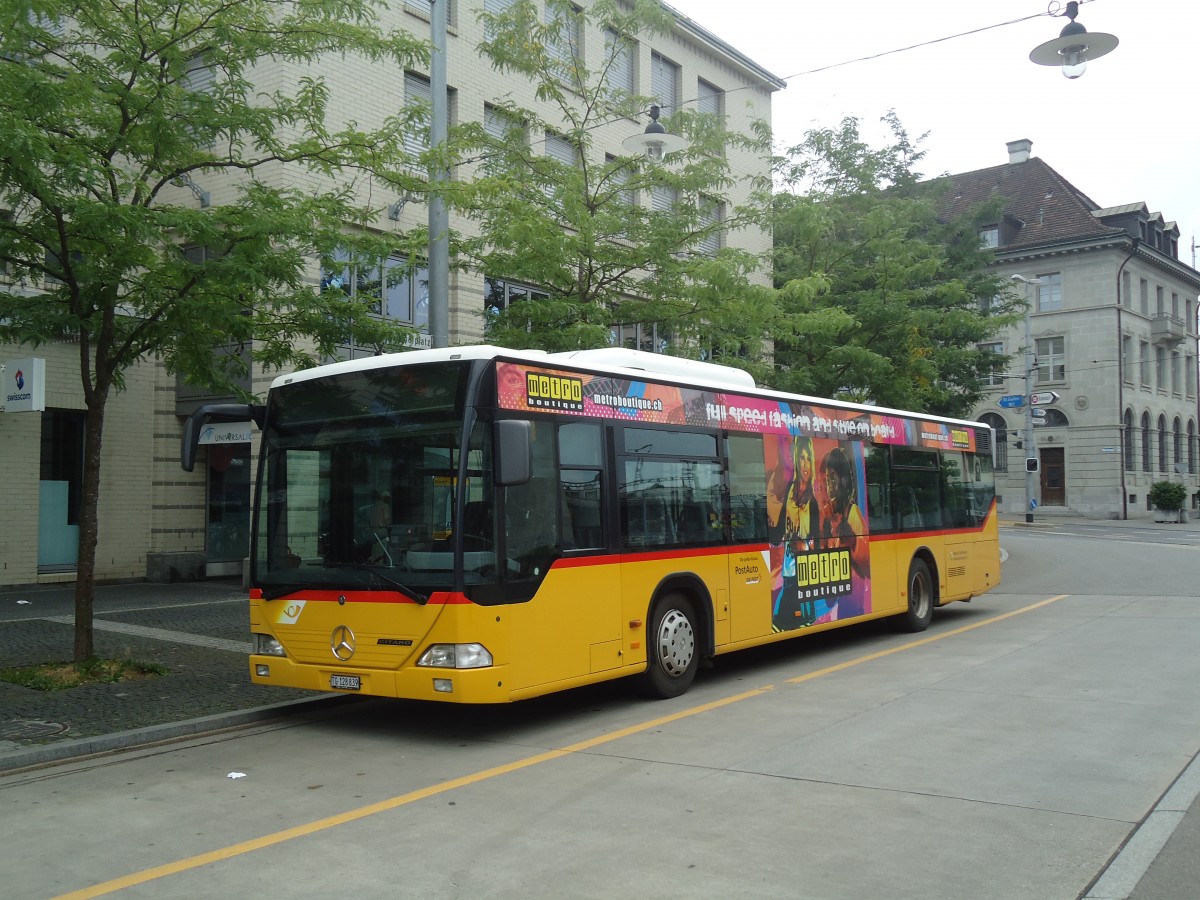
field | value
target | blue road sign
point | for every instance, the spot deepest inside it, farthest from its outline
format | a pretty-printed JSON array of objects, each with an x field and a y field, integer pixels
[{"x": 1009, "y": 401}]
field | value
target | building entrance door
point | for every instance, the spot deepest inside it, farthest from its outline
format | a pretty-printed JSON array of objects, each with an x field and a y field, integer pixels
[{"x": 1054, "y": 481}]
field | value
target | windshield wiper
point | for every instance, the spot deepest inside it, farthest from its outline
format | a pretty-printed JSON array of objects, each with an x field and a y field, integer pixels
[
  {"x": 400, "y": 586},
  {"x": 274, "y": 592}
]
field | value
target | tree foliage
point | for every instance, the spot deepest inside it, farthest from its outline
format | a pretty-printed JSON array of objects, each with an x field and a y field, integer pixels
[
  {"x": 585, "y": 231},
  {"x": 880, "y": 300},
  {"x": 115, "y": 118}
]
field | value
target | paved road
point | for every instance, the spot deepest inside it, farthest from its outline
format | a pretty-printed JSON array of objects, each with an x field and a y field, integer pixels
[{"x": 1008, "y": 760}]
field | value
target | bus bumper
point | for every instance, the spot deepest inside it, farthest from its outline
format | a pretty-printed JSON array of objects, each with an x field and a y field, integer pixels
[{"x": 486, "y": 685}]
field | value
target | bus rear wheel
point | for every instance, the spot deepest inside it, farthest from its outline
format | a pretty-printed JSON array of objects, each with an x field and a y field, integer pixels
[
  {"x": 920, "y": 598},
  {"x": 671, "y": 651}
]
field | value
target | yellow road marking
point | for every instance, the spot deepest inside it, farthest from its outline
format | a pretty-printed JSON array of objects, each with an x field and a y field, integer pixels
[
  {"x": 279, "y": 837},
  {"x": 859, "y": 660}
]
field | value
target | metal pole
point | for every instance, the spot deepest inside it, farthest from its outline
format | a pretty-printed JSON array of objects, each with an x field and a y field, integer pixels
[
  {"x": 1030, "y": 450},
  {"x": 439, "y": 224}
]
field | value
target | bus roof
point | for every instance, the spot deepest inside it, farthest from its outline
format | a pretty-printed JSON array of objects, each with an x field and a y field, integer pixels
[{"x": 633, "y": 364}]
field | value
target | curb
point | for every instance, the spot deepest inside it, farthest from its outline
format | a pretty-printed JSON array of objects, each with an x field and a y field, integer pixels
[{"x": 78, "y": 748}]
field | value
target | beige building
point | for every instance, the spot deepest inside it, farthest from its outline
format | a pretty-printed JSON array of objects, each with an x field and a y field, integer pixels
[
  {"x": 158, "y": 521},
  {"x": 1113, "y": 333}
]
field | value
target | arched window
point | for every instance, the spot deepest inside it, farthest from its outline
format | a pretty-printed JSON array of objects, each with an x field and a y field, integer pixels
[
  {"x": 1146, "y": 467},
  {"x": 1191, "y": 447},
  {"x": 997, "y": 422},
  {"x": 1055, "y": 418},
  {"x": 1177, "y": 438},
  {"x": 1127, "y": 437},
  {"x": 1162, "y": 443}
]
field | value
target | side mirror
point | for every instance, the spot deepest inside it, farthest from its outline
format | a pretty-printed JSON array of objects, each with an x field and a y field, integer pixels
[{"x": 514, "y": 451}]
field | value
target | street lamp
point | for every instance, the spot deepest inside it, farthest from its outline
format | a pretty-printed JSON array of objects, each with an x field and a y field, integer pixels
[
  {"x": 1031, "y": 457},
  {"x": 1074, "y": 46},
  {"x": 655, "y": 142}
]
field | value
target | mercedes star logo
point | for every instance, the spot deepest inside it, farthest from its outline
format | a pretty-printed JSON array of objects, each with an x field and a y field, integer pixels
[{"x": 341, "y": 642}]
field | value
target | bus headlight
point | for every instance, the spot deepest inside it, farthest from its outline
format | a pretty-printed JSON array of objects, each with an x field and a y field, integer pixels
[
  {"x": 456, "y": 656},
  {"x": 265, "y": 645}
]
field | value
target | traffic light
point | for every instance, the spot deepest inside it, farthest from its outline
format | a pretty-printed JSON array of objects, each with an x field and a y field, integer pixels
[{"x": 1031, "y": 464}]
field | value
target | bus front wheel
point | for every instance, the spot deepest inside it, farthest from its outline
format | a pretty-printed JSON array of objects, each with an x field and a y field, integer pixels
[
  {"x": 920, "y": 598},
  {"x": 671, "y": 651}
]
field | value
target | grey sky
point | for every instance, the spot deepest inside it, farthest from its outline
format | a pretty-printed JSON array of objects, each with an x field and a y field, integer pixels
[{"x": 1125, "y": 132}]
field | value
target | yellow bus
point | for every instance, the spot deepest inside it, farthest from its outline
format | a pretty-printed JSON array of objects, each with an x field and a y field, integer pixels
[{"x": 480, "y": 525}]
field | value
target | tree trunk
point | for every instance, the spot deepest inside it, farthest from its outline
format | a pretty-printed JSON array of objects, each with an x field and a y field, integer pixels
[{"x": 85, "y": 577}]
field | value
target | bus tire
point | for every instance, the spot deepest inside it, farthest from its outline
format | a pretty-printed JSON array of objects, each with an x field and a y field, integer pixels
[
  {"x": 920, "y": 598},
  {"x": 672, "y": 650}
]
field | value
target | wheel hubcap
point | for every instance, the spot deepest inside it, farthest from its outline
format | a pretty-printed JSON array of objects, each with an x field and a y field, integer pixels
[
  {"x": 919, "y": 591},
  {"x": 676, "y": 643}
]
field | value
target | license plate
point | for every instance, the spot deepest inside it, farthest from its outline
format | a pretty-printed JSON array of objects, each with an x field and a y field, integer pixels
[{"x": 345, "y": 682}]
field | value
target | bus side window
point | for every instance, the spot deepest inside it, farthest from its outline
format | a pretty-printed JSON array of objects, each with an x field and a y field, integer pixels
[
  {"x": 879, "y": 494},
  {"x": 747, "y": 487}
]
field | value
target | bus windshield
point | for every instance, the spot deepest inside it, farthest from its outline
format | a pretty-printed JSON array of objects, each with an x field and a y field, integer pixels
[{"x": 360, "y": 476}]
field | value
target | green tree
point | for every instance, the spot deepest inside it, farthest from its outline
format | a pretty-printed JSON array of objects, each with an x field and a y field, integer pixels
[
  {"x": 880, "y": 299},
  {"x": 111, "y": 116},
  {"x": 553, "y": 212}
]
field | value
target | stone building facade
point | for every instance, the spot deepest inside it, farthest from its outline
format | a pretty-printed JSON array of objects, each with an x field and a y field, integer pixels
[{"x": 1112, "y": 328}]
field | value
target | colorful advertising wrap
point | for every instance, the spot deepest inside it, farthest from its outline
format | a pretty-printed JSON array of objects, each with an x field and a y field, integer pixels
[
  {"x": 528, "y": 388},
  {"x": 814, "y": 458}
]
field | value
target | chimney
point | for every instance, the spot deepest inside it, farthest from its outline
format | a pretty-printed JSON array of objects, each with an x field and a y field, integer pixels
[{"x": 1018, "y": 151}]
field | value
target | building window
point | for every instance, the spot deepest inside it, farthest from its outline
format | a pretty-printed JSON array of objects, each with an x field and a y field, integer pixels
[
  {"x": 418, "y": 91},
  {"x": 1001, "y": 428},
  {"x": 1049, "y": 292},
  {"x": 1146, "y": 452},
  {"x": 664, "y": 198},
  {"x": 1051, "y": 359},
  {"x": 639, "y": 336},
  {"x": 1127, "y": 359},
  {"x": 1126, "y": 290},
  {"x": 1127, "y": 437},
  {"x": 565, "y": 42},
  {"x": 1159, "y": 306},
  {"x": 708, "y": 99},
  {"x": 620, "y": 177},
  {"x": 710, "y": 216},
  {"x": 664, "y": 83},
  {"x": 621, "y": 51},
  {"x": 503, "y": 126},
  {"x": 1189, "y": 373},
  {"x": 1144, "y": 296},
  {"x": 495, "y": 8},
  {"x": 500, "y": 294},
  {"x": 1162, "y": 443},
  {"x": 989, "y": 238},
  {"x": 1055, "y": 418},
  {"x": 1175, "y": 385},
  {"x": 1191, "y": 451},
  {"x": 1177, "y": 442},
  {"x": 994, "y": 376},
  {"x": 1144, "y": 348},
  {"x": 60, "y": 489},
  {"x": 560, "y": 148},
  {"x": 1160, "y": 368},
  {"x": 392, "y": 290}
]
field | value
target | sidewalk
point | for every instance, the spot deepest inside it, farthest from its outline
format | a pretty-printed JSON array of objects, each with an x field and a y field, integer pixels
[{"x": 198, "y": 631}]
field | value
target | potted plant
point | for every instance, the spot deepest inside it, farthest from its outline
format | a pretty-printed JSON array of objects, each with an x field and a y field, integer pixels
[{"x": 1167, "y": 498}]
